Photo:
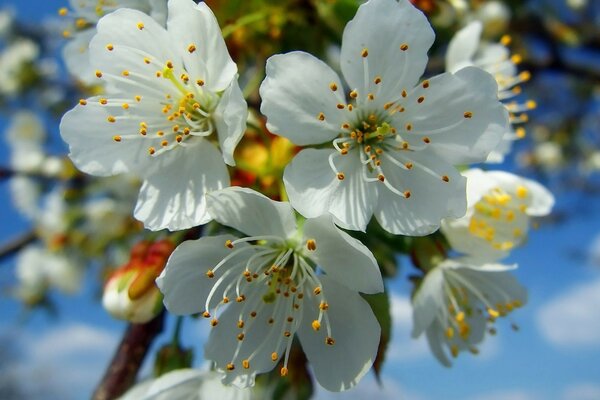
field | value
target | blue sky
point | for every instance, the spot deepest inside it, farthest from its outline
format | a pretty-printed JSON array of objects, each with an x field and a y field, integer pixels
[{"x": 554, "y": 356}]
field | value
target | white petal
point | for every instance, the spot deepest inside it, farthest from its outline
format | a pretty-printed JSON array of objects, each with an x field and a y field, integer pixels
[
  {"x": 223, "y": 346},
  {"x": 191, "y": 24},
  {"x": 441, "y": 116},
  {"x": 431, "y": 198},
  {"x": 436, "y": 340},
  {"x": 308, "y": 182},
  {"x": 342, "y": 257},
  {"x": 382, "y": 27},
  {"x": 77, "y": 57},
  {"x": 540, "y": 199},
  {"x": 356, "y": 333},
  {"x": 230, "y": 117},
  {"x": 91, "y": 145},
  {"x": 184, "y": 282},
  {"x": 427, "y": 301},
  {"x": 463, "y": 46},
  {"x": 251, "y": 212},
  {"x": 294, "y": 93},
  {"x": 172, "y": 197}
]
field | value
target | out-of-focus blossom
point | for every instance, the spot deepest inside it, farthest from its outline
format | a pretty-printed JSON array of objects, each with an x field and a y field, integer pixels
[
  {"x": 39, "y": 269},
  {"x": 395, "y": 142},
  {"x": 500, "y": 207},
  {"x": 164, "y": 131},
  {"x": 459, "y": 300},
  {"x": 15, "y": 62},
  {"x": 130, "y": 293}
]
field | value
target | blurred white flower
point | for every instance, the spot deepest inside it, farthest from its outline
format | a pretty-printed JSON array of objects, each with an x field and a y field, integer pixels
[
  {"x": 168, "y": 91},
  {"x": 6, "y": 21},
  {"x": 467, "y": 49},
  {"x": 25, "y": 137},
  {"x": 548, "y": 154},
  {"x": 394, "y": 141},
  {"x": 261, "y": 291},
  {"x": 25, "y": 193},
  {"x": 186, "y": 384},
  {"x": 500, "y": 207},
  {"x": 13, "y": 61},
  {"x": 39, "y": 269},
  {"x": 83, "y": 17},
  {"x": 459, "y": 300}
]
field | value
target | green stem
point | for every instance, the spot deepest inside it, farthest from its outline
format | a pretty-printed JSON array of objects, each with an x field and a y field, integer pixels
[{"x": 177, "y": 331}]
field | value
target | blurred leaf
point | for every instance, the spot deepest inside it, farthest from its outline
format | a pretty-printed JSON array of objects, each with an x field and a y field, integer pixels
[{"x": 380, "y": 304}]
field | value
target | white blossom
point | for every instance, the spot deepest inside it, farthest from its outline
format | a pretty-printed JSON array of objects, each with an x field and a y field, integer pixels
[
  {"x": 459, "y": 300},
  {"x": 261, "y": 291},
  {"x": 395, "y": 141},
  {"x": 167, "y": 92},
  {"x": 500, "y": 208},
  {"x": 14, "y": 60}
]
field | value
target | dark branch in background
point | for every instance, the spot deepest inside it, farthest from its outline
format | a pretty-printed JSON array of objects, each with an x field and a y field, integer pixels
[
  {"x": 16, "y": 244},
  {"x": 125, "y": 364}
]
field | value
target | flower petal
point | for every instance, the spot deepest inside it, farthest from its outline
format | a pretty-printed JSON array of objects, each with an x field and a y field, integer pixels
[
  {"x": 356, "y": 333},
  {"x": 436, "y": 189},
  {"x": 428, "y": 301},
  {"x": 463, "y": 46},
  {"x": 184, "y": 282},
  {"x": 342, "y": 257},
  {"x": 296, "y": 92},
  {"x": 397, "y": 37},
  {"x": 308, "y": 183},
  {"x": 195, "y": 25},
  {"x": 172, "y": 197},
  {"x": 251, "y": 212},
  {"x": 540, "y": 200},
  {"x": 230, "y": 118},
  {"x": 459, "y": 114},
  {"x": 77, "y": 57}
]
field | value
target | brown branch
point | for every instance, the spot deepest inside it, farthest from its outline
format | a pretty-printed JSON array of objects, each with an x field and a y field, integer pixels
[
  {"x": 128, "y": 358},
  {"x": 14, "y": 245}
]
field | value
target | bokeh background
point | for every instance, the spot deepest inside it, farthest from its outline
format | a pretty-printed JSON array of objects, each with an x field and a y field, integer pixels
[{"x": 60, "y": 349}]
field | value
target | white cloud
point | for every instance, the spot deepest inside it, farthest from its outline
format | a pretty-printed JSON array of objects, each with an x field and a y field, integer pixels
[
  {"x": 582, "y": 391},
  {"x": 71, "y": 358},
  {"x": 573, "y": 318},
  {"x": 369, "y": 388},
  {"x": 402, "y": 346},
  {"x": 513, "y": 394}
]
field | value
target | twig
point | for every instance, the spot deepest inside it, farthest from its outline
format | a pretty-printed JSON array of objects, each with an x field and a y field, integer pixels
[
  {"x": 126, "y": 362},
  {"x": 14, "y": 245}
]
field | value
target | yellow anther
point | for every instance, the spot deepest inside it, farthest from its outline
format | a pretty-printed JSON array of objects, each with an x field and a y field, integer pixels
[
  {"x": 274, "y": 356},
  {"x": 341, "y": 176},
  {"x": 371, "y": 96},
  {"x": 317, "y": 291},
  {"x": 287, "y": 334},
  {"x": 80, "y": 23},
  {"x": 404, "y": 94},
  {"x": 421, "y": 99},
  {"x": 404, "y": 145},
  {"x": 214, "y": 322},
  {"x": 117, "y": 138},
  {"x": 449, "y": 332},
  {"x": 522, "y": 192},
  {"x": 151, "y": 150},
  {"x": 454, "y": 350},
  {"x": 125, "y": 73},
  {"x": 240, "y": 324},
  {"x": 240, "y": 337},
  {"x": 333, "y": 86},
  {"x": 381, "y": 177},
  {"x": 245, "y": 364},
  {"x": 138, "y": 98},
  {"x": 353, "y": 94},
  {"x": 425, "y": 84},
  {"x": 283, "y": 371},
  {"x": 468, "y": 114},
  {"x": 111, "y": 119},
  {"x": 531, "y": 104},
  {"x": 364, "y": 53},
  {"x": 407, "y": 194},
  {"x": 125, "y": 106},
  {"x": 66, "y": 34},
  {"x": 253, "y": 314},
  {"x": 110, "y": 47},
  {"x": 445, "y": 178},
  {"x": 164, "y": 143},
  {"x": 146, "y": 60},
  {"x": 493, "y": 313},
  {"x": 169, "y": 64},
  {"x": 323, "y": 306},
  {"x": 230, "y": 367},
  {"x": 525, "y": 76},
  {"x": 505, "y": 40},
  {"x": 206, "y": 314},
  {"x": 311, "y": 244},
  {"x": 210, "y": 273},
  {"x": 98, "y": 74},
  {"x": 516, "y": 59},
  {"x": 408, "y": 165},
  {"x": 63, "y": 11},
  {"x": 316, "y": 325},
  {"x": 460, "y": 317},
  {"x": 403, "y": 47},
  {"x": 158, "y": 74},
  {"x": 340, "y": 106},
  {"x": 377, "y": 80},
  {"x": 426, "y": 140},
  {"x": 409, "y": 127},
  {"x": 83, "y": 102},
  {"x": 140, "y": 25},
  {"x": 191, "y": 48},
  {"x": 200, "y": 82},
  {"x": 329, "y": 340},
  {"x": 160, "y": 133},
  {"x": 229, "y": 244}
]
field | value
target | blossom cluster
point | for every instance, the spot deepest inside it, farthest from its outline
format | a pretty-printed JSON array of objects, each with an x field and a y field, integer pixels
[{"x": 272, "y": 241}]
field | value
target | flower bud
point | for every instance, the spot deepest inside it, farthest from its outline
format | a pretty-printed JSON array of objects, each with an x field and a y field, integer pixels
[{"x": 130, "y": 293}]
